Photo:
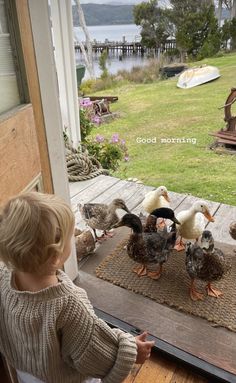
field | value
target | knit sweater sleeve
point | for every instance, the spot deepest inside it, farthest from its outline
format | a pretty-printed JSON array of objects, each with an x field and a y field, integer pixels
[{"x": 92, "y": 347}]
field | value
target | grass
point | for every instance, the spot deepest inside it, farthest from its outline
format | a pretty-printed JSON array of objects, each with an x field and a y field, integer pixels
[{"x": 161, "y": 110}]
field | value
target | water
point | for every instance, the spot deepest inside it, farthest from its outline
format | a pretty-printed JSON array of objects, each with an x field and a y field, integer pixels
[{"x": 100, "y": 33}]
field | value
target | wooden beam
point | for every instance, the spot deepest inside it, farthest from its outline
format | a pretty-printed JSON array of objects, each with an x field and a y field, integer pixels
[{"x": 23, "y": 16}]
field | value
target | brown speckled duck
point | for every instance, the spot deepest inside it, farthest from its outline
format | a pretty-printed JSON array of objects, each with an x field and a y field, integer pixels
[
  {"x": 205, "y": 262},
  {"x": 232, "y": 230},
  {"x": 101, "y": 216},
  {"x": 147, "y": 248}
]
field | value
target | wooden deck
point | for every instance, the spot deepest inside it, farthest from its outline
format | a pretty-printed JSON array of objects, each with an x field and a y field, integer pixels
[{"x": 193, "y": 340}]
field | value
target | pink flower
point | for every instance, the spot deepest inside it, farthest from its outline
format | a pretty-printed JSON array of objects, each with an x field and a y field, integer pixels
[
  {"x": 99, "y": 138},
  {"x": 96, "y": 120},
  {"x": 115, "y": 138},
  {"x": 126, "y": 158}
]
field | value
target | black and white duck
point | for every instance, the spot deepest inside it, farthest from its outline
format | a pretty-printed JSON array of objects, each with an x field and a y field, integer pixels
[
  {"x": 207, "y": 263},
  {"x": 150, "y": 225},
  {"x": 147, "y": 248},
  {"x": 100, "y": 216}
]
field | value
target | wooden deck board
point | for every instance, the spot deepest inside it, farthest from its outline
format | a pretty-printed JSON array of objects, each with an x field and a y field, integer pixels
[
  {"x": 220, "y": 228},
  {"x": 131, "y": 192},
  {"x": 76, "y": 187},
  {"x": 89, "y": 193}
]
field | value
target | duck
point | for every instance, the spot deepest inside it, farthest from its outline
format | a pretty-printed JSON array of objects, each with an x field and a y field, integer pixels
[
  {"x": 101, "y": 216},
  {"x": 156, "y": 199},
  {"x": 205, "y": 262},
  {"x": 232, "y": 229},
  {"x": 84, "y": 243},
  {"x": 150, "y": 225},
  {"x": 147, "y": 248},
  {"x": 192, "y": 222}
]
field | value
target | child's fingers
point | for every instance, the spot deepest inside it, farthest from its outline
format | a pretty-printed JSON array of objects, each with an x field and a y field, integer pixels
[
  {"x": 149, "y": 343},
  {"x": 142, "y": 336}
]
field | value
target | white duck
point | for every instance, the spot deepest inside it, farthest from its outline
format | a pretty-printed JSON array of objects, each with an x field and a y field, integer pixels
[
  {"x": 156, "y": 199},
  {"x": 192, "y": 222}
]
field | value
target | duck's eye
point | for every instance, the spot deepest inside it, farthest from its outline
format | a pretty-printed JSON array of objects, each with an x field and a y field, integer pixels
[{"x": 201, "y": 205}]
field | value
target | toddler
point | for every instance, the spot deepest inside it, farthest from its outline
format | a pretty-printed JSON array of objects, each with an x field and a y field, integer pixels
[{"x": 48, "y": 330}]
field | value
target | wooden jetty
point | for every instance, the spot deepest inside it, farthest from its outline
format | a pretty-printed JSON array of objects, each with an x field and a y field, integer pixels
[
  {"x": 188, "y": 340},
  {"x": 124, "y": 47}
]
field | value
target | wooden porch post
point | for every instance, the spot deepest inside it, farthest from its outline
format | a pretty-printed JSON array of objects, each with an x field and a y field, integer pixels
[
  {"x": 63, "y": 39},
  {"x": 41, "y": 30}
]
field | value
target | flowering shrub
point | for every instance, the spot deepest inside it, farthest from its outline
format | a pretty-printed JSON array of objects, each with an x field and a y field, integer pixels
[
  {"x": 108, "y": 152},
  {"x": 86, "y": 125}
]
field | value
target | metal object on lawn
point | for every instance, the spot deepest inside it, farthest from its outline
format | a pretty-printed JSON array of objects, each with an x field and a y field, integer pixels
[{"x": 227, "y": 135}]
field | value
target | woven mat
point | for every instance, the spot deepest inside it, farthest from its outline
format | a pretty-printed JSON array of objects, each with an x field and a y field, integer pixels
[{"x": 172, "y": 288}]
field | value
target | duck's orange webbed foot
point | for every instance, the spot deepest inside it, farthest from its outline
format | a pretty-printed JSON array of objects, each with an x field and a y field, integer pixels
[
  {"x": 179, "y": 245},
  {"x": 140, "y": 270},
  {"x": 212, "y": 291},
  {"x": 194, "y": 294},
  {"x": 155, "y": 274}
]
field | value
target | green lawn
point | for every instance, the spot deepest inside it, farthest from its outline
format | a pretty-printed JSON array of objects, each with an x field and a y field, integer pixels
[{"x": 161, "y": 110}]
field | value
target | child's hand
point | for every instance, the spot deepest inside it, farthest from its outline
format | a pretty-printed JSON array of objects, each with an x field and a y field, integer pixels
[{"x": 143, "y": 348}]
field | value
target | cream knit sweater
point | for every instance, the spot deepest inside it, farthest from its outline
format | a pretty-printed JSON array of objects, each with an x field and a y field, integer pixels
[{"x": 55, "y": 335}]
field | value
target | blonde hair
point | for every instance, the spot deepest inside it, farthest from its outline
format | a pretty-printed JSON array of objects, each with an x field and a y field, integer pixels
[{"x": 34, "y": 227}]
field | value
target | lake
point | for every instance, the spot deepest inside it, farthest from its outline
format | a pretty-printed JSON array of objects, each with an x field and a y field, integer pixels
[{"x": 100, "y": 33}]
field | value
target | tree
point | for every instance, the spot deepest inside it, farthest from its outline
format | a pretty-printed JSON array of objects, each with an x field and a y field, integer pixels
[
  {"x": 155, "y": 24},
  {"x": 88, "y": 54},
  {"x": 197, "y": 31},
  {"x": 103, "y": 64},
  {"x": 233, "y": 33},
  {"x": 225, "y": 33},
  {"x": 228, "y": 29}
]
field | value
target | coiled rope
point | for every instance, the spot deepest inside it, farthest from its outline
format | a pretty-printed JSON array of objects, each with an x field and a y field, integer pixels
[{"x": 82, "y": 166}]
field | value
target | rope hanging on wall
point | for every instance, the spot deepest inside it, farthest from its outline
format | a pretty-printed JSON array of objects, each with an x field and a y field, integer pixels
[{"x": 82, "y": 166}]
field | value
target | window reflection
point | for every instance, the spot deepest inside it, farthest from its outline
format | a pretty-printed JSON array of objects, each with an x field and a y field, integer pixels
[{"x": 9, "y": 94}]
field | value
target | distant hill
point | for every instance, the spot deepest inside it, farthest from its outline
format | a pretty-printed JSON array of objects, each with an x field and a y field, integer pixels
[
  {"x": 111, "y": 14},
  {"x": 112, "y": 2},
  {"x": 104, "y": 14}
]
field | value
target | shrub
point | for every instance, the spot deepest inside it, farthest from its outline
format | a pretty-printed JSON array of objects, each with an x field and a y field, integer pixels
[
  {"x": 102, "y": 64},
  {"x": 87, "y": 86},
  {"x": 86, "y": 125},
  {"x": 108, "y": 152},
  {"x": 145, "y": 74}
]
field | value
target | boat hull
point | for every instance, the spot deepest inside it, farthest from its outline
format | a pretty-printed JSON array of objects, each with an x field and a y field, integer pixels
[{"x": 197, "y": 76}]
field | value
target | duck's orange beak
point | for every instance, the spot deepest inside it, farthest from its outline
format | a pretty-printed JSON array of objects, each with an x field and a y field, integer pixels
[
  {"x": 209, "y": 216},
  {"x": 165, "y": 195}
]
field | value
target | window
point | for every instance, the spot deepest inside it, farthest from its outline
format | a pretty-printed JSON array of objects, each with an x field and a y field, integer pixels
[{"x": 9, "y": 93}]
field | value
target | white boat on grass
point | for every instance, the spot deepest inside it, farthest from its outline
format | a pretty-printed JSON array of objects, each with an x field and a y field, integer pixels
[{"x": 197, "y": 76}]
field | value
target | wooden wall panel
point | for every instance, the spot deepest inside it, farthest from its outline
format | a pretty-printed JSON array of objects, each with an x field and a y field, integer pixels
[{"x": 20, "y": 160}]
